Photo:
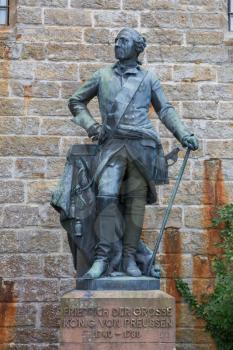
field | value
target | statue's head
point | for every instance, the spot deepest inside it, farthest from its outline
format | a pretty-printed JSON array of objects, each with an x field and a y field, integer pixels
[{"x": 129, "y": 44}]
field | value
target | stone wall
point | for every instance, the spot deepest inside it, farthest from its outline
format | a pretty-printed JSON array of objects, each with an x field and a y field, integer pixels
[{"x": 55, "y": 45}]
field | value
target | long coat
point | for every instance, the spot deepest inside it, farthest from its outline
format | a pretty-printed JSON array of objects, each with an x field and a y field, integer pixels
[{"x": 124, "y": 101}]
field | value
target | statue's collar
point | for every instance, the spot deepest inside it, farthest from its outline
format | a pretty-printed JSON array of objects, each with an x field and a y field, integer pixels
[{"x": 123, "y": 69}]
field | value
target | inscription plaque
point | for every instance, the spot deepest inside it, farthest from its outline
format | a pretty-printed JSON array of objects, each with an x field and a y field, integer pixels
[{"x": 122, "y": 318}]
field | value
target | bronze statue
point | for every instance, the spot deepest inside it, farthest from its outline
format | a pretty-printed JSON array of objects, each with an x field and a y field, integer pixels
[{"x": 128, "y": 160}]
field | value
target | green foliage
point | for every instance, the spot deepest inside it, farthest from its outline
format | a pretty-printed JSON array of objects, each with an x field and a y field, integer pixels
[{"x": 217, "y": 308}]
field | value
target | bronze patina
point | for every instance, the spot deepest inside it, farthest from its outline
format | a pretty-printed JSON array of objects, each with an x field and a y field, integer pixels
[{"x": 119, "y": 177}]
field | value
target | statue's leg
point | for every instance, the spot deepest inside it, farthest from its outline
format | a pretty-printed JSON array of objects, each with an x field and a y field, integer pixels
[
  {"x": 109, "y": 217},
  {"x": 134, "y": 201}
]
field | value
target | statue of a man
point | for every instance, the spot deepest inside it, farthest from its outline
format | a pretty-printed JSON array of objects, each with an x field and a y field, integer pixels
[{"x": 130, "y": 159}]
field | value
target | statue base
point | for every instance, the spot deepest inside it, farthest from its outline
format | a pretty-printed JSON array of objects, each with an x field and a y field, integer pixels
[
  {"x": 119, "y": 283},
  {"x": 117, "y": 319}
]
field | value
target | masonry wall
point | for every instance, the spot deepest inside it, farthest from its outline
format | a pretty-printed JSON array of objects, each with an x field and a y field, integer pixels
[{"x": 55, "y": 45}]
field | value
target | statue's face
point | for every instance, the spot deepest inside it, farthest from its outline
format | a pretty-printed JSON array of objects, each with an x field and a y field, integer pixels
[{"x": 125, "y": 46}]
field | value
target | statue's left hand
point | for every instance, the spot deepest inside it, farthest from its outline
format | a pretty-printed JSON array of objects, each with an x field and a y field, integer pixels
[{"x": 191, "y": 142}]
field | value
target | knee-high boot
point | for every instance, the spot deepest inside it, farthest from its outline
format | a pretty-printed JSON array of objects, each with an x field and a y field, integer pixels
[
  {"x": 134, "y": 215},
  {"x": 106, "y": 228}
]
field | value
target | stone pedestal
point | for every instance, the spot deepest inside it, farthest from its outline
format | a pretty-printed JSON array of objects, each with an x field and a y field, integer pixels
[{"x": 117, "y": 320}]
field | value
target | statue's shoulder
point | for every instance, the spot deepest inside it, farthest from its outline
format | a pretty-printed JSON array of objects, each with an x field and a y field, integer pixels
[{"x": 106, "y": 71}]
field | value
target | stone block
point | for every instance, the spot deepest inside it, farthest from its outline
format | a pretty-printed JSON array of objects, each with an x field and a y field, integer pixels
[
  {"x": 202, "y": 266},
  {"x": 168, "y": 19},
  {"x": 49, "y": 107},
  {"x": 14, "y": 125},
  {"x": 219, "y": 149},
  {"x": 11, "y": 191},
  {"x": 194, "y": 218},
  {"x": 50, "y": 33},
  {"x": 14, "y": 265},
  {"x": 175, "y": 265},
  {"x": 192, "y": 54},
  {"x": 21, "y": 70},
  {"x": 225, "y": 110},
  {"x": 98, "y": 35},
  {"x": 163, "y": 36},
  {"x": 11, "y": 106},
  {"x": 38, "y": 89},
  {"x": 29, "y": 15},
  {"x": 59, "y": 126},
  {"x": 9, "y": 243},
  {"x": 200, "y": 127},
  {"x": 154, "y": 215},
  {"x": 199, "y": 110},
  {"x": 6, "y": 167},
  {"x": 4, "y": 90},
  {"x": 29, "y": 146},
  {"x": 36, "y": 335},
  {"x": 58, "y": 266},
  {"x": 55, "y": 167},
  {"x": 216, "y": 92},
  {"x": 193, "y": 73},
  {"x": 68, "y": 88},
  {"x": 37, "y": 290},
  {"x": 118, "y": 320},
  {"x": 50, "y": 315},
  {"x": 43, "y": 3},
  {"x": 32, "y": 347},
  {"x": 96, "y": 4},
  {"x": 115, "y": 19},
  {"x": 20, "y": 215},
  {"x": 67, "y": 17},
  {"x": 56, "y": 71},
  {"x": 204, "y": 37},
  {"x": 163, "y": 72},
  {"x": 20, "y": 314},
  {"x": 207, "y": 20},
  {"x": 40, "y": 191},
  {"x": 39, "y": 241},
  {"x": 67, "y": 285},
  {"x": 33, "y": 51},
  {"x": 225, "y": 74},
  {"x": 30, "y": 168},
  {"x": 49, "y": 217},
  {"x": 148, "y": 4},
  {"x": 180, "y": 91}
]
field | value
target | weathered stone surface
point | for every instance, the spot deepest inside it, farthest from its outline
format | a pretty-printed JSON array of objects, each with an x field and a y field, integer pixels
[
  {"x": 199, "y": 110},
  {"x": 148, "y": 4},
  {"x": 225, "y": 110},
  {"x": 163, "y": 72},
  {"x": 115, "y": 19},
  {"x": 33, "y": 51},
  {"x": 29, "y": 146},
  {"x": 11, "y": 107},
  {"x": 47, "y": 33},
  {"x": 67, "y": 17},
  {"x": 98, "y": 35},
  {"x": 207, "y": 129},
  {"x": 154, "y": 216},
  {"x": 50, "y": 315},
  {"x": 225, "y": 74},
  {"x": 39, "y": 89},
  {"x": 207, "y": 20},
  {"x": 96, "y": 4},
  {"x": 13, "y": 265},
  {"x": 20, "y": 215},
  {"x": 216, "y": 92},
  {"x": 49, "y": 107},
  {"x": 204, "y": 37},
  {"x": 68, "y": 89},
  {"x": 8, "y": 239},
  {"x": 163, "y": 36},
  {"x": 30, "y": 168},
  {"x": 193, "y": 73},
  {"x": 4, "y": 88},
  {"x": 11, "y": 191},
  {"x": 219, "y": 149},
  {"x": 43, "y": 3},
  {"x": 190, "y": 193},
  {"x": 66, "y": 285},
  {"x": 20, "y": 70},
  {"x": 60, "y": 127},
  {"x": 56, "y": 71},
  {"x": 49, "y": 217},
  {"x": 168, "y": 19},
  {"x": 39, "y": 289},
  {"x": 41, "y": 335},
  {"x": 39, "y": 241},
  {"x": 14, "y": 125},
  {"x": 55, "y": 167},
  {"x": 180, "y": 91},
  {"x": 25, "y": 315},
  {"x": 32, "y": 347},
  {"x": 29, "y": 15},
  {"x": 181, "y": 265},
  {"x": 6, "y": 167},
  {"x": 191, "y": 54},
  {"x": 194, "y": 217},
  {"x": 58, "y": 266},
  {"x": 40, "y": 191}
]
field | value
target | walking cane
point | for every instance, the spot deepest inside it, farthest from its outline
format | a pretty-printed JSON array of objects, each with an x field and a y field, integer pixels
[{"x": 168, "y": 210}]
